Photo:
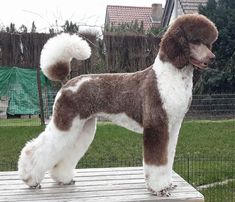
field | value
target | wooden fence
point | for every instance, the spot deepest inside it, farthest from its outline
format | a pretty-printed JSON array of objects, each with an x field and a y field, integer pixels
[
  {"x": 24, "y": 49},
  {"x": 124, "y": 52},
  {"x": 130, "y": 52},
  {"x": 21, "y": 50}
]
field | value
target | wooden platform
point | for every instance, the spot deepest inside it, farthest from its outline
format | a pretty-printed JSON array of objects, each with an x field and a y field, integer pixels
[{"x": 102, "y": 184}]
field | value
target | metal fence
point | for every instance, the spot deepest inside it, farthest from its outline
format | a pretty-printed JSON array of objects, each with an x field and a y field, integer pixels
[
  {"x": 212, "y": 107},
  {"x": 213, "y": 177}
]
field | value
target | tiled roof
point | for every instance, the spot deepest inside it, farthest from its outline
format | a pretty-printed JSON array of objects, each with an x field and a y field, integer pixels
[
  {"x": 191, "y": 6},
  {"x": 121, "y": 14}
]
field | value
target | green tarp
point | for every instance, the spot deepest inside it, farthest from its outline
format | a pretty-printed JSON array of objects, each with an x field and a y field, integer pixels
[{"x": 20, "y": 87}]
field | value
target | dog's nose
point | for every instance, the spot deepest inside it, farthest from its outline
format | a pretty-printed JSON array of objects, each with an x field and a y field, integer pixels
[{"x": 212, "y": 59}]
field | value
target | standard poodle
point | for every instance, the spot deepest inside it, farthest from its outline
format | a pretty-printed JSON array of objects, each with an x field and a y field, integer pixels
[{"x": 153, "y": 102}]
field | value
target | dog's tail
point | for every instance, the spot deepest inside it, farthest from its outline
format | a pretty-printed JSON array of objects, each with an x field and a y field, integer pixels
[{"x": 58, "y": 52}]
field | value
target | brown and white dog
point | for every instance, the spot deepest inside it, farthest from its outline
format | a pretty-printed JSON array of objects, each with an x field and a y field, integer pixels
[{"x": 153, "y": 102}]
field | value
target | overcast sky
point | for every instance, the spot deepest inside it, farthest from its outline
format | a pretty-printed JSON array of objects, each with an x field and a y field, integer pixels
[{"x": 46, "y": 12}]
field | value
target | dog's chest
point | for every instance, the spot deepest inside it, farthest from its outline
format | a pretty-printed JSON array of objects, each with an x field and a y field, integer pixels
[
  {"x": 176, "y": 98},
  {"x": 175, "y": 88}
]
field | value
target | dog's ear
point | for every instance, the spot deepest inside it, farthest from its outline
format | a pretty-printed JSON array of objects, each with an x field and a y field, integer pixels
[{"x": 174, "y": 48}]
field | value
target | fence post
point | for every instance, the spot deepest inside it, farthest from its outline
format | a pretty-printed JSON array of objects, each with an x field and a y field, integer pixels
[
  {"x": 188, "y": 167},
  {"x": 40, "y": 97}
]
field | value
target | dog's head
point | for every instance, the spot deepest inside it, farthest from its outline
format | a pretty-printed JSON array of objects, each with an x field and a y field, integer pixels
[{"x": 189, "y": 41}]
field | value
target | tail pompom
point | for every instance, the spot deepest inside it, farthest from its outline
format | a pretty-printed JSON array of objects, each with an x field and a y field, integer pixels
[{"x": 58, "y": 52}]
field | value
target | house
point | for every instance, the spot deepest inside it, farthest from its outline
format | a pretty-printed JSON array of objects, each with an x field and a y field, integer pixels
[
  {"x": 175, "y": 8},
  {"x": 150, "y": 16}
]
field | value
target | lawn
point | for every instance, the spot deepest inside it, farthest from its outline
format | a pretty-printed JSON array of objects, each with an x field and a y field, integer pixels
[
  {"x": 205, "y": 152},
  {"x": 19, "y": 122},
  {"x": 207, "y": 138},
  {"x": 113, "y": 143}
]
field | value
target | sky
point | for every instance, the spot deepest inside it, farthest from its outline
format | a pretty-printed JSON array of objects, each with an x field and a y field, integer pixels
[{"x": 45, "y": 13}]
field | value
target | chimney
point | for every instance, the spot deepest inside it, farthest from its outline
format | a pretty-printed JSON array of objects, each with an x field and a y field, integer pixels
[{"x": 156, "y": 13}]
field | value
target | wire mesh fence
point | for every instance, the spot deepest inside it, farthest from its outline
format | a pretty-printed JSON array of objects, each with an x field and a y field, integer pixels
[
  {"x": 212, "y": 107},
  {"x": 207, "y": 107},
  {"x": 22, "y": 111},
  {"x": 213, "y": 177}
]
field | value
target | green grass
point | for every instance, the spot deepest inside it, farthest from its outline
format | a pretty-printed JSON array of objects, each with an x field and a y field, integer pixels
[
  {"x": 12, "y": 140},
  {"x": 205, "y": 151},
  {"x": 113, "y": 143},
  {"x": 223, "y": 193},
  {"x": 19, "y": 122},
  {"x": 113, "y": 146},
  {"x": 207, "y": 138}
]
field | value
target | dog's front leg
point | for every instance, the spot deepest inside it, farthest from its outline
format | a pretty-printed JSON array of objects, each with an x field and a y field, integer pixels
[{"x": 157, "y": 163}]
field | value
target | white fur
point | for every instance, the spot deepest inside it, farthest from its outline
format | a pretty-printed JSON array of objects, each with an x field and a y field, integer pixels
[
  {"x": 157, "y": 177},
  {"x": 64, "y": 170},
  {"x": 63, "y": 48},
  {"x": 44, "y": 152},
  {"x": 175, "y": 88},
  {"x": 123, "y": 120}
]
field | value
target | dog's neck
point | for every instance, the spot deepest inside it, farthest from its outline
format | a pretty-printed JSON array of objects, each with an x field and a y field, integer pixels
[{"x": 166, "y": 69}]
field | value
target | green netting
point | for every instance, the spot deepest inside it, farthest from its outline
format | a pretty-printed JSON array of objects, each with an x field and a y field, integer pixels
[{"x": 20, "y": 87}]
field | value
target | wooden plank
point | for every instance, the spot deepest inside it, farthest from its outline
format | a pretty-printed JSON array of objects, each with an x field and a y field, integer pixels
[
  {"x": 108, "y": 184},
  {"x": 183, "y": 186},
  {"x": 90, "y": 170},
  {"x": 94, "y": 176}
]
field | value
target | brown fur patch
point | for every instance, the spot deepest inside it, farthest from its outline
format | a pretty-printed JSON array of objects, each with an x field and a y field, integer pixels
[
  {"x": 155, "y": 124},
  {"x": 108, "y": 93},
  {"x": 59, "y": 71},
  {"x": 191, "y": 28},
  {"x": 134, "y": 94}
]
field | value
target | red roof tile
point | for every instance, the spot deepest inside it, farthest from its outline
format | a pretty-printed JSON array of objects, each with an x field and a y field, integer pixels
[{"x": 121, "y": 14}]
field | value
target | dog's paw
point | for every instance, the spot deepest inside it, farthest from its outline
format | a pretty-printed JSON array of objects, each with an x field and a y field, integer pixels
[
  {"x": 171, "y": 186},
  {"x": 36, "y": 186},
  {"x": 163, "y": 192},
  {"x": 72, "y": 182}
]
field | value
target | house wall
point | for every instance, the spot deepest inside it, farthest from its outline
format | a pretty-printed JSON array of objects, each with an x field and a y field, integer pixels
[{"x": 177, "y": 11}]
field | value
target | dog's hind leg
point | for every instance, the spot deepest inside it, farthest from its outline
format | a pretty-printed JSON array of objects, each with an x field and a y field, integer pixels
[
  {"x": 63, "y": 171},
  {"x": 45, "y": 151}
]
